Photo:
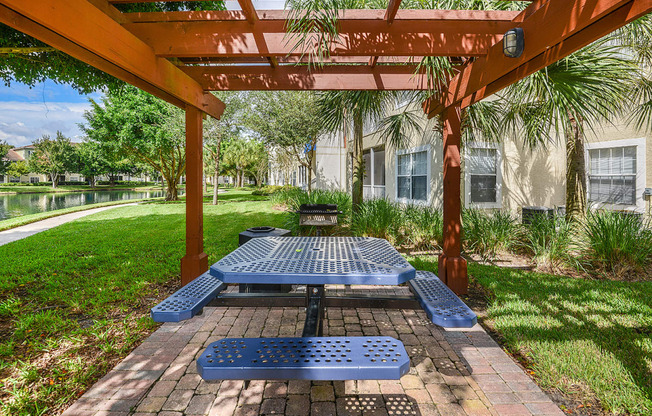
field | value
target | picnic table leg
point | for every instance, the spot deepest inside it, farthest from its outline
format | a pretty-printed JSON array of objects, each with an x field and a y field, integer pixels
[{"x": 314, "y": 325}]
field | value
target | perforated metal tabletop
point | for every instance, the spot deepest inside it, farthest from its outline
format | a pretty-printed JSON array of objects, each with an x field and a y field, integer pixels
[{"x": 316, "y": 261}]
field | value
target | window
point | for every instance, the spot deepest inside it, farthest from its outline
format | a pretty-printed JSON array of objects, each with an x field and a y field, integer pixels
[
  {"x": 612, "y": 175},
  {"x": 374, "y": 173},
  {"x": 483, "y": 179},
  {"x": 412, "y": 180},
  {"x": 34, "y": 179}
]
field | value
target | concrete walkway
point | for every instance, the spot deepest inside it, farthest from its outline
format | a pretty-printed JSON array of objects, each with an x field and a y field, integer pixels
[
  {"x": 24, "y": 231},
  {"x": 452, "y": 372}
]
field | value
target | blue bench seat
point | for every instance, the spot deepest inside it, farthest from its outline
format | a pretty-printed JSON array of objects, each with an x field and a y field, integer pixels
[
  {"x": 442, "y": 306},
  {"x": 189, "y": 300},
  {"x": 305, "y": 358}
]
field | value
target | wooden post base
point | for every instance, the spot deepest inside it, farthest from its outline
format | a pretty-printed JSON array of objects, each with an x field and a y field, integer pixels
[
  {"x": 192, "y": 267},
  {"x": 453, "y": 272}
]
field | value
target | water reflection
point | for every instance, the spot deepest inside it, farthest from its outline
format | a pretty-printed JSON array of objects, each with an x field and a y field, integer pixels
[{"x": 22, "y": 204}]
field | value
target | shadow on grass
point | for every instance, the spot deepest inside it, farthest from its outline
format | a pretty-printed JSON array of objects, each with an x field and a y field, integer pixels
[{"x": 587, "y": 332}]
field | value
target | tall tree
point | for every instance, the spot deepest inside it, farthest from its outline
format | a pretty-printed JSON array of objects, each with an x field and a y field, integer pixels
[
  {"x": 4, "y": 161},
  {"x": 32, "y": 61},
  {"x": 350, "y": 110},
  {"x": 216, "y": 132},
  {"x": 290, "y": 120},
  {"x": 53, "y": 157},
  {"x": 136, "y": 124},
  {"x": 590, "y": 87},
  {"x": 93, "y": 161},
  {"x": 243, "y": 158},
  {"x": 17, "y": 169}
]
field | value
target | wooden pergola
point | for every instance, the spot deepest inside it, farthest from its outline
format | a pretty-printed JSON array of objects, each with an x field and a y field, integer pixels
[{"x": 182, "y": 56}]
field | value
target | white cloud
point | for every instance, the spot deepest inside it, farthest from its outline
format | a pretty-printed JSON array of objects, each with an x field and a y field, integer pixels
[{"x": 21, "y": 123}]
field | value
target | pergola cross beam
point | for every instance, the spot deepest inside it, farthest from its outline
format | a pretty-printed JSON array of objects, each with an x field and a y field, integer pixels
[
  {"x": 82, "y": 30},
  {"x": 561, "y": 20}
]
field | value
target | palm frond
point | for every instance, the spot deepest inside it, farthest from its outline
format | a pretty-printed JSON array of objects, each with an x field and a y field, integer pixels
[
  {"x": 398, "y": 128},
  {"x": 641, "y": 115}
]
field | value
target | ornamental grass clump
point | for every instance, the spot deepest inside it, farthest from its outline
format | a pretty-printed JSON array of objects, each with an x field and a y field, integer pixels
[
  {"x": 423, "y": 227},
  {"x": 489, "y": 233},
  {"x": 550, "y": 241},
  {"x": 617, "y": 244},
  {"x": 378, "y": 218}
]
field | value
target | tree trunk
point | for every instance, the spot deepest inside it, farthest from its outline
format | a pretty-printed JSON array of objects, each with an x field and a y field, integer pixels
[
  {"x": 55, "y": 179},
  {"x": 358, "y": 162},
  {"x": 216, "y": 178},
  {"x": 171, "y": 193},
  {"x": 575, "y": 172},
  {"x": 309, "y": 179}
]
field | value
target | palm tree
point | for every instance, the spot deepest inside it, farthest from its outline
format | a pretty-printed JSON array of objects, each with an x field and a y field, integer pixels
[
  {"x": 563, "y": 100},
  {"x": 352, "y": 109}
]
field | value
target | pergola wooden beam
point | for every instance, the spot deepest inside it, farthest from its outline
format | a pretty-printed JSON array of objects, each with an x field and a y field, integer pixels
[
  {"x": 392, "y": 9},
  {"x": 561, "y": 20},
  {"x": 618, "y": 18},
  {"x": 97, "y": 39},
  {"x": 291, "y": 77},
  {"x": 209, "y": 34}
]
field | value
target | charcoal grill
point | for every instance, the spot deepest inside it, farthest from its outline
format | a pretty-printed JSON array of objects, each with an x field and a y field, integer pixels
[{"x": 319, "y": 215}]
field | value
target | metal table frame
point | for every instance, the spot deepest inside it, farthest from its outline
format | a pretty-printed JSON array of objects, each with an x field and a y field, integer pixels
[{"x": 315, "y": 301}]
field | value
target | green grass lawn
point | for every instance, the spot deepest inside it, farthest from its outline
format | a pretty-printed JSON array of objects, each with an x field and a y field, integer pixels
[
  {"x": 75, "y": 299},
  {"x": 588, "y": 338}
]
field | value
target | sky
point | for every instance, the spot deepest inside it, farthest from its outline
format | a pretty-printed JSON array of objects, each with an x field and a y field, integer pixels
[{"x": 26, "y": 114}]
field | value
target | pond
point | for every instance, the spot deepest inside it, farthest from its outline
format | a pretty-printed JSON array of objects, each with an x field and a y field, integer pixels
[{"x": 22, "y": 204}]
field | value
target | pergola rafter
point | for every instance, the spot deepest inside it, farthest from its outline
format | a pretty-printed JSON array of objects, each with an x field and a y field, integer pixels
[
  {"x": 561, "y": 19},
  {"x": 181, "y": 56}
]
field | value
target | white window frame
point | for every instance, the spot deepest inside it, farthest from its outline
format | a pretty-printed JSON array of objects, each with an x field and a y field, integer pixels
[
  {"x": 428, "y": 149},
  {"x": 499, "y": 176},
  {"x": 641, "y": 173}
]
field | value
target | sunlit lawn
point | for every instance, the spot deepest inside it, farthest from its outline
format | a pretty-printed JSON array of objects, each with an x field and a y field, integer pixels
[
  {"x": 76, "y": 299},
  {"x": 588, "y": 338}
]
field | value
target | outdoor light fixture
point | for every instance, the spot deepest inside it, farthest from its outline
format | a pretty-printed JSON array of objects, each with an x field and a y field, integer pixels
[{"x": 513, "y": 43}]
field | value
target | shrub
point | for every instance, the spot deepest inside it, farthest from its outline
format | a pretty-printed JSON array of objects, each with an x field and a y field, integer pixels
[
  {"x": 379, "y": 218},
  {"x": 285, "y": 195},
  {"x": 616, "y": 243},
  {"x": 487, "y": 233},
  {"x": 294, "y": 198},
  {"x": 549, "y": 241},
  {"x": 267, "y": 190},
  {"x": 423, "y": 226}
]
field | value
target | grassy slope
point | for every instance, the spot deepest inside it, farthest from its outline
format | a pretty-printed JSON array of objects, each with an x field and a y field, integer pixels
[
  {"x": 578, "y": 335},
  {"x": 28, "y": 219},
  {"x": 39, "y": 189},
  {"x": 76, "y": 298}
]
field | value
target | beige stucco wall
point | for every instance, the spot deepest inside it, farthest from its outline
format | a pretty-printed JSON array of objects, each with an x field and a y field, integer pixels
[
  {"x": 532, "y": 177},
  {"x": 529, "y": 177},
  {"x": 331, "y": 163}
]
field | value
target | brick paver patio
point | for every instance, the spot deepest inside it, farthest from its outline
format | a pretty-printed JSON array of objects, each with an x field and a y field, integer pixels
[{"x": 452, "y": 372}]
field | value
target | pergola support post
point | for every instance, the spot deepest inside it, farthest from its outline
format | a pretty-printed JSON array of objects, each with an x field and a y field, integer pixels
[
  {"x": 195, "y": 262},
  {"x": 452, "y": 267}
]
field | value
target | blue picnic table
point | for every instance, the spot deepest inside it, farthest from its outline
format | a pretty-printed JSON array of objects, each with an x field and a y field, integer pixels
[{"x": 314, "y": 262}]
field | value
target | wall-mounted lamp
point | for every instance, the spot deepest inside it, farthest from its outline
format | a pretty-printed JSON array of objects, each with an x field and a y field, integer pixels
[{"x": 513, "y": 43}]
